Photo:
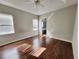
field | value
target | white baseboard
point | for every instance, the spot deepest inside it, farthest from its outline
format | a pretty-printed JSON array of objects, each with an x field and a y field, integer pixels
[{"x": 61, "y": 39}]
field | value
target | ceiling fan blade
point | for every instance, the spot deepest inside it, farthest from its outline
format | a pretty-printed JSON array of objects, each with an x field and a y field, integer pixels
[
  {"x": 37, "y": 3},
  {"x": 28, "y": 1}
]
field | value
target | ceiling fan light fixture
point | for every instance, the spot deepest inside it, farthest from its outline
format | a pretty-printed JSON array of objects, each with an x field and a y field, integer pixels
[{"x": 37, "y": 3}]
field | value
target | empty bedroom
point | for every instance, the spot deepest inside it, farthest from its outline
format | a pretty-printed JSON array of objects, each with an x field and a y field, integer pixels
[{"x": 38, "y": 29}]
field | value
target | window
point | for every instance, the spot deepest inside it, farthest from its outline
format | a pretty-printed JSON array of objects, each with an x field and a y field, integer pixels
[
  {"x": 6, "y": 24},
  {"x": 35, "y": 24}
]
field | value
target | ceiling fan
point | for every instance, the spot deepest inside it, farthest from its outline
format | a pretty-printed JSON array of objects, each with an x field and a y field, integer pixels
[
  {"x": 38, "y": 3},
  {"x": 41, "y": 2}
]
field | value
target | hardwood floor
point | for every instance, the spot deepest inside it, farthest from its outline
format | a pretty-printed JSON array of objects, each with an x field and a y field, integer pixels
[{"x": 55, "y": 49}]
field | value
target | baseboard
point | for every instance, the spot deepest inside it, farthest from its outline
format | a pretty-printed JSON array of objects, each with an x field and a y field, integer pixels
[{"x": 61, "y": 39}]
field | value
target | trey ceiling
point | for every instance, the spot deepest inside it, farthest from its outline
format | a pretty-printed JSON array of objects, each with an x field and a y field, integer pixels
[{"x": 46, "y": 5}]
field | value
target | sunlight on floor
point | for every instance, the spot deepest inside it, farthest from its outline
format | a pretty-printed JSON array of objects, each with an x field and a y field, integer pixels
[
  {"x": 10, "y": 54},
  {"x": 36, "y": 43}
]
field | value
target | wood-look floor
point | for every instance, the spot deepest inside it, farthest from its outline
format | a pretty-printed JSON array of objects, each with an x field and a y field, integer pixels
[{"x": 55, "y": 49}]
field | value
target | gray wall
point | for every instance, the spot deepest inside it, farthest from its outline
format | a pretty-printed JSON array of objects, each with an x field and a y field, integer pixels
[
  {"x": 22, "y": 24},
  {"x": 60, "y": 23},
  {"x": 75, "y": 37}
]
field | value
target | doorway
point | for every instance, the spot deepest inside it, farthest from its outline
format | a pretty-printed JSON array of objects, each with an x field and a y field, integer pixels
[{"x": 44, "y": 23}]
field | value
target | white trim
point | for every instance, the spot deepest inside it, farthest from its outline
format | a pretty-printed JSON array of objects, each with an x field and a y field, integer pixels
[{"x": 61, "y": 39}]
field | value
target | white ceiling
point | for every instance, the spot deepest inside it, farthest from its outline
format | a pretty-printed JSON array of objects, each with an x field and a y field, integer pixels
[{"x": 47, "y": 5}]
